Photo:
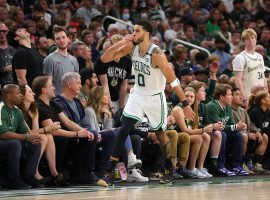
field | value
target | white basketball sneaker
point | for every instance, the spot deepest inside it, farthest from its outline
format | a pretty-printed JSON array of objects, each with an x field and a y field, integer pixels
[{"x": 135, "y": 175}]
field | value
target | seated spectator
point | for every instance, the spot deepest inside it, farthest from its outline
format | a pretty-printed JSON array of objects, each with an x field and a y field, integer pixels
[
  {"x": 254, "y": 142},
  {"x": 31, "y": 116},
  {"x": 215, "y": 136},
  {"x": 201, "y": 75},
  {"x": 259, "y": 116},
  {"x": 100, "y": 118},
  {"x": 220, "y": 110},
  {"x": 180, "y": 142},
  {"x": 186, "y": 76},
  {"x": 16, "y": 140},
  {"x": 199, "y": 139},
  {"x": 180, "y": 147},
  {"x": 81, "y": 149},
  {"x": 88, "y": 80},
  {"x": 75, "y": 138},
  {"x": 213, "y": 68}
]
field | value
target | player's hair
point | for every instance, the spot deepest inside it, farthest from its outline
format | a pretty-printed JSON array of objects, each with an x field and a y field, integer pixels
[{"x": 146, "y": 26}]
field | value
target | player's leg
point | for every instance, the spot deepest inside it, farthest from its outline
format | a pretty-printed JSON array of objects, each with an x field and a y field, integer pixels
[
  {"x": 165, "y": 146},
  {"x": 127, "y": 124},
  {"x": 155, "y": 108},
  {"x": 131, "y": 114}
]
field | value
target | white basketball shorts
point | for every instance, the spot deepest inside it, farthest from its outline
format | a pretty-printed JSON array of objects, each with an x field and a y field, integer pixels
[{"x": 153, "y": 106}]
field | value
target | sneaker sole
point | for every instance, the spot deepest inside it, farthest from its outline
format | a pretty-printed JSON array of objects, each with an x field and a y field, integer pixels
[
  {"x": 165, "y": 182},
  {"x": 226, "y": 175},
  {"x": 154, "y": 179},
  {"x": 138, "y": 181}
]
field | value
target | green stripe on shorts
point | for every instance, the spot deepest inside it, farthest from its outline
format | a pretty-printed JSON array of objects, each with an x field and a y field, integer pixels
[
  {"x": 132, "y": 116},
  {"x": 162, "y": 113}
]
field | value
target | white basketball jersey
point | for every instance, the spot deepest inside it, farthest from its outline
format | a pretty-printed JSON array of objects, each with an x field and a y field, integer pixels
[
  {"x": 149, "y": 79},
  {"x": 253, "y": 72}
]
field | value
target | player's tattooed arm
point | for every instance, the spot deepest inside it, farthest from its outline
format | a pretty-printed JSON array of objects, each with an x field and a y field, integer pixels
[{"x": 157, "y": 50}]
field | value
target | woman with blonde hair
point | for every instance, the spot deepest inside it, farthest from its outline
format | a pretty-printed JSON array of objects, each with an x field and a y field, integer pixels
[
  {"x": 215, "y": 135},
  {"x": 99, "y": 116},
  {"x": 199, "y": 139}
]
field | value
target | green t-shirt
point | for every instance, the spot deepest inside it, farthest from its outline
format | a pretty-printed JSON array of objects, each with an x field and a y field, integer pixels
[
  {"x": 11, "y": 120},
  {"x": 217, "y": 113}
]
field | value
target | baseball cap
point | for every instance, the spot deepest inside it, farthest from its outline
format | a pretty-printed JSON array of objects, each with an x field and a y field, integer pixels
[{"x": 186, "y": 71}]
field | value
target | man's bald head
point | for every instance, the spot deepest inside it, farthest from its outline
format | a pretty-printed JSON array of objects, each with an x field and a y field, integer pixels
[{"x": 8, "y": 89}]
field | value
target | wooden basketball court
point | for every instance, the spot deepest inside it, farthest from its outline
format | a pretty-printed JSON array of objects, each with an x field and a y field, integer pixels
[{"x": 237, "y": 188}]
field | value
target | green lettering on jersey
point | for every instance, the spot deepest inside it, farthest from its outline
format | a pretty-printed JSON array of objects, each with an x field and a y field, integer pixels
[{"x": 141, "y": 80}]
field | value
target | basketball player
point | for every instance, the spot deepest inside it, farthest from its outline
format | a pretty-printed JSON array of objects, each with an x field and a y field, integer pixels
[
  {"x": 151, "y": 70},
  {"x": 248, "y": 66}
]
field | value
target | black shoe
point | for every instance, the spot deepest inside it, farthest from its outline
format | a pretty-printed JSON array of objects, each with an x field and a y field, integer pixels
[
  {"x": 59, "y": 180},
  {"x": 184, "y": 172},
  {"x": 17, "y": 185},
  {"x": 109, "y": 178},
  {"x": 167, "y": 175},
  {"x": 98, "y": 181},
  {"x": 45, "y": 180},
  {"x": 213, "y": 169},
  {"x": 33, "y": 182}
]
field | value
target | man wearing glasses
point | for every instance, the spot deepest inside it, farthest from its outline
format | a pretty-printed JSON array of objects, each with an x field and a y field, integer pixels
[{"x": 6, "y": 55}]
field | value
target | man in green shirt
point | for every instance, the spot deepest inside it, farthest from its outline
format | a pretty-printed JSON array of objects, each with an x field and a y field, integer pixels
[
  {"x": 16, "y": 140},
  {"x": 220, "y": 110}
]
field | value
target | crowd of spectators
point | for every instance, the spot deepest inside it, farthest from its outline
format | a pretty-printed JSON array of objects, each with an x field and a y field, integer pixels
[{"x": 61, "y": 105}]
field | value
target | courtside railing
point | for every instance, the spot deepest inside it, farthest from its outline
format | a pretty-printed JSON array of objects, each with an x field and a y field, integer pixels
[
  {"x": 190, "y": 45},
  {"x": 114, "y": 19}
]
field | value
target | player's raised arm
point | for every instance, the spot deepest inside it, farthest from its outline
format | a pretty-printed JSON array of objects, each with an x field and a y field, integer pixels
[
  {"x": 160, "y": 60},
  {"x": 118, "y": 50}
]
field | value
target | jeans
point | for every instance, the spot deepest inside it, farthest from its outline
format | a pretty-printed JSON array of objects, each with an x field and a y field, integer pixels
[
  {"x": 123, "y": 132},
  {"x": 232, "y": 140},
  {"x": 14, "y": 150}
]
